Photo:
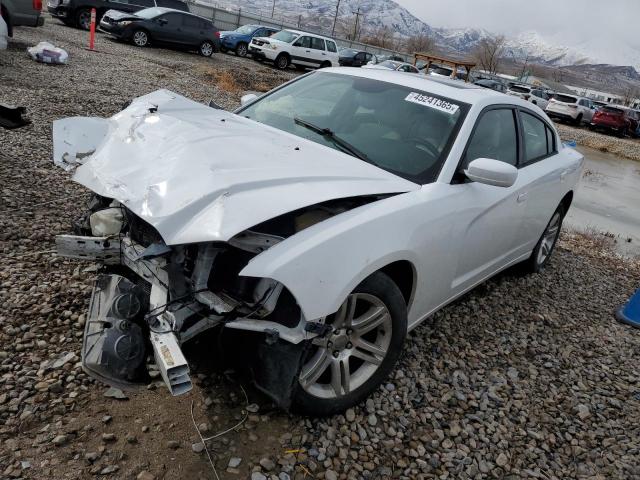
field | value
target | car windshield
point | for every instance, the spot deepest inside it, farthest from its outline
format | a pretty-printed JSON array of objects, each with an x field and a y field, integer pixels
[
  {"x": 148, "y": 13},
  {"x": 565, "y": 98},
  {"x": 246, "y": 29},
  {"x": 285, "y": 36},
  {"x": 615, "y": 111},
  {"x": 390, "y": 64},
  {"x": 519, "y": 89},
  {"x": 348, "y": 52},
  {"x": 400, "y": 129},
  {"x": 442, "y": 71}
]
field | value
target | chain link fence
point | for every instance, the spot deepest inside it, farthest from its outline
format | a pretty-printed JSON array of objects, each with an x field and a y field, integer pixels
[{"x": 230, "y": 19}]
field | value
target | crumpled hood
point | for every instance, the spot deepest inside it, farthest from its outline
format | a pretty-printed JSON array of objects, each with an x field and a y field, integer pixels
[
  {"x": 198, "y": 174},
  {"x": 118, "y": 15}
]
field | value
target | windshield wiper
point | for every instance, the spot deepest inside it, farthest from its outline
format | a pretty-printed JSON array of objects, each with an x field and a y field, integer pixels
[{"x": 328, "y": 133}]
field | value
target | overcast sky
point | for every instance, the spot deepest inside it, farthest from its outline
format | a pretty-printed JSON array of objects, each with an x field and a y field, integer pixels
[{"x": 573, "y": 21}]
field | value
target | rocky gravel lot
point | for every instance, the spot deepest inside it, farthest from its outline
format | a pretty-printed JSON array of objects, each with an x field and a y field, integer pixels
[{"x": 525, "y": 377}]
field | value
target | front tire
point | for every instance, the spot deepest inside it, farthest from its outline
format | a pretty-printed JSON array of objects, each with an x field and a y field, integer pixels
[
  {"x": 349, "y": 363},
  {"x": 282, "y": 62},
  {"x": 83, "y": 19},
  {"x": 140, "y": 38},
  {"x": 547, "y": 243},
  {"x": 578, "y": 120},
  {"x": 206, "y": 48}
]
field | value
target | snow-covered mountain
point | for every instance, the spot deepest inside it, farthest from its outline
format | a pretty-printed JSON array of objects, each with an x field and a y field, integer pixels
[{"x": 319, "y": 14}]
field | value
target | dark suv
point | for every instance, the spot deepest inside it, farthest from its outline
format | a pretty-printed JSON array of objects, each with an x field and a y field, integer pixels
[
  {"x": 21, "y": 12},
  {"x": 77, "y": 13}
]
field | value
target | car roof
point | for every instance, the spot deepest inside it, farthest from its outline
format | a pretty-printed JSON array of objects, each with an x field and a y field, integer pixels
[
  {"x": 302, "y": 32},
  {"x": 454, "y": 89}
]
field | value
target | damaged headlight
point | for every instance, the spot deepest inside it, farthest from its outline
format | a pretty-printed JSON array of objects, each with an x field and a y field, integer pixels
[
  {"x": 107, "y": 222},
  {"x": 124, "y": 23}
]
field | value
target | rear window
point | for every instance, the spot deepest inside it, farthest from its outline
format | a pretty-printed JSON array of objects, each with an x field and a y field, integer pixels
[
  {"x": 615, "y": 111},
  {"x": 518, "y": 89},
  {"x": 565, "y": 98}
]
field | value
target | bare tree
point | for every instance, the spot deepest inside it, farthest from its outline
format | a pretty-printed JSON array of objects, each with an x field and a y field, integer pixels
[
  {"x": 489, "y": 52},
  {"x": 630, "y": 94},
  {"x": 379, "y": 37},
  {"x": 421, "y": 43}
]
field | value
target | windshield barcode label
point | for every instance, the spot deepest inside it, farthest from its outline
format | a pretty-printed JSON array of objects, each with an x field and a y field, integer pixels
[{"x": 433, "y": 102}]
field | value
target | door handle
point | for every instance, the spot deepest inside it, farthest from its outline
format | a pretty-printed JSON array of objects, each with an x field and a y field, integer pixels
[
  {"x": 308, "y": 51},
  {"x": 523, "y": 197}
]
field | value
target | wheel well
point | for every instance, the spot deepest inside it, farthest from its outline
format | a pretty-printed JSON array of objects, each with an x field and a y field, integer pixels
[
  {"x": 566, "y": 201},
  {"x": 7, "y": 18},
  {"x": 403, "y": 275}
]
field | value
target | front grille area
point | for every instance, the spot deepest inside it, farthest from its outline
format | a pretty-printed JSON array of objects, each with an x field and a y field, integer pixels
[{"x": 140, "y": 231}]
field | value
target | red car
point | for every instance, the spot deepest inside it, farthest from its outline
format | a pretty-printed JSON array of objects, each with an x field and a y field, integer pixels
[{"x": 620, "y": 120}]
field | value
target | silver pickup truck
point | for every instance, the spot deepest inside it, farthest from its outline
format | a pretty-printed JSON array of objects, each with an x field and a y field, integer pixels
[{"x": 21, "y": 13}]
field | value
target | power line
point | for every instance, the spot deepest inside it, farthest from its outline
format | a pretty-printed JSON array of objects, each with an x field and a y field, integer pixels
[
  {"x": 355, "y": 30},
  {"x": 335, "y": 19}
]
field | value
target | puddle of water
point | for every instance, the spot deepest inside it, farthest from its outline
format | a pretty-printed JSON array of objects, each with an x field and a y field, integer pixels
[{"x": 608, "y": 199}]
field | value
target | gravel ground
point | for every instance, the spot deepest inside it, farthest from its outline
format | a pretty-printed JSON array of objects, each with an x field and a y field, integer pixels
[
  {"x": 525, "y": 377},
  {"x": 627, "y": 147}
]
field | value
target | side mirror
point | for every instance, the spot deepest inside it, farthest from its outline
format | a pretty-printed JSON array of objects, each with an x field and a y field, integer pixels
[
  {"x": 213, "y": 104},
  {"x": 492, "y": 172},
  {"x": 248, "y": 98}
]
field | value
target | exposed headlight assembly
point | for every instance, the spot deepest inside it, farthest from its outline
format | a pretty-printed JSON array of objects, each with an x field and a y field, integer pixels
[{"x": 124, "y": 23}]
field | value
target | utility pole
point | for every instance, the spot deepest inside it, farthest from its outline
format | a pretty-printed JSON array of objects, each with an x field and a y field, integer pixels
[
  {"x": 273, "y": 9},
  {"x": 355, "y": 30},
  {"x": 335, "y": 19}
]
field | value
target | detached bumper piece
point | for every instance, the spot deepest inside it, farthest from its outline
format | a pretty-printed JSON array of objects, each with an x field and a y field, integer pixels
[
  {"x": 630, "y": 312},
  {"x": 114, "y": 350},
  {"x": 13, "y": 117}
]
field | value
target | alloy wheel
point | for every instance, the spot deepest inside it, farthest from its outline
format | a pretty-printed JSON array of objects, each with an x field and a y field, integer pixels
[
  {"x": 241, "y": 50},
  {"x": 84, "y": 19},
  {"x": 347, "y": 357},
  {"x": 549, "y": 238},
  {"x": 140, "y": 38},
  {"x": 206, "y": 49},
  {"x": 282, "y": 62}
]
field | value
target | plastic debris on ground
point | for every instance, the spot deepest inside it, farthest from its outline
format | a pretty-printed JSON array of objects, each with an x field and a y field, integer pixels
[
  {"x": 4, "y": 34},
  {"x": 13, "y": 117},
  {"x": 46, "y": 52}
]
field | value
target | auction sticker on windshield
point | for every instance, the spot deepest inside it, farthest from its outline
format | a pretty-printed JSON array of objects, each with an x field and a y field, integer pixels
[{"x": 433, "y": 102}]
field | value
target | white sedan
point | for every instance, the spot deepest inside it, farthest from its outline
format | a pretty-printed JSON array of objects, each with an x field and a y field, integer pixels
[
  {"x": 392, "y": 65},
  {"x": 324, "y": 219}
]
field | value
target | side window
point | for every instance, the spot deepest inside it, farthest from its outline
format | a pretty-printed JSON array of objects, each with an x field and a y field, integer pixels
[
  {"x": 143, "y": 3},
  {"x": 360, "y": 56},
  {"x": 172, "y": 19},
  {"x": 304, "y": 42},
  {"x": 191, "y": 22},
  {"x": 261, "y": 32},
  {"x": 495, "y": 137},
  {"x": 317, "y": 43},
  {"x": 536, "y": 138},
  {"x": 368, "y": 57},
  {"x": 331, "y": 46},
  {"x": 551, "y": 141}
]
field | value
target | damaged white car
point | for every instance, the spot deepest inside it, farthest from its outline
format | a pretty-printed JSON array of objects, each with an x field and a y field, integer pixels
[{"x": 326, "y": 219}]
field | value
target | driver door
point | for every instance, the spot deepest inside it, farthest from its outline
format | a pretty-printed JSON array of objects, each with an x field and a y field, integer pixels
[
  {"x": 301, "y": 51},
  {"x": 489, "y": 217}
]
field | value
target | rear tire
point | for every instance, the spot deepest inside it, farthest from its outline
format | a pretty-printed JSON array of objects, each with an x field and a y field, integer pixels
[
  {"x": 344, "y": 368},
  {"x": 547, "y": 243},
  {"x": 325, "y": 65},
  {"x": 242, "y": 49},
  {"x": 83, "y": 19},
  {"x": 206, "y": 48},
  {"x": 282, "y": 61}
]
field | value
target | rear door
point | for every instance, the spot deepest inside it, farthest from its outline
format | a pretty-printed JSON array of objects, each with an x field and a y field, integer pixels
[
  {"x": 168, "y": 28},
  {"x": 193, "y": 30},
  {"x": 542, "y": 172},
  {"x": 318, "y": 51}
]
